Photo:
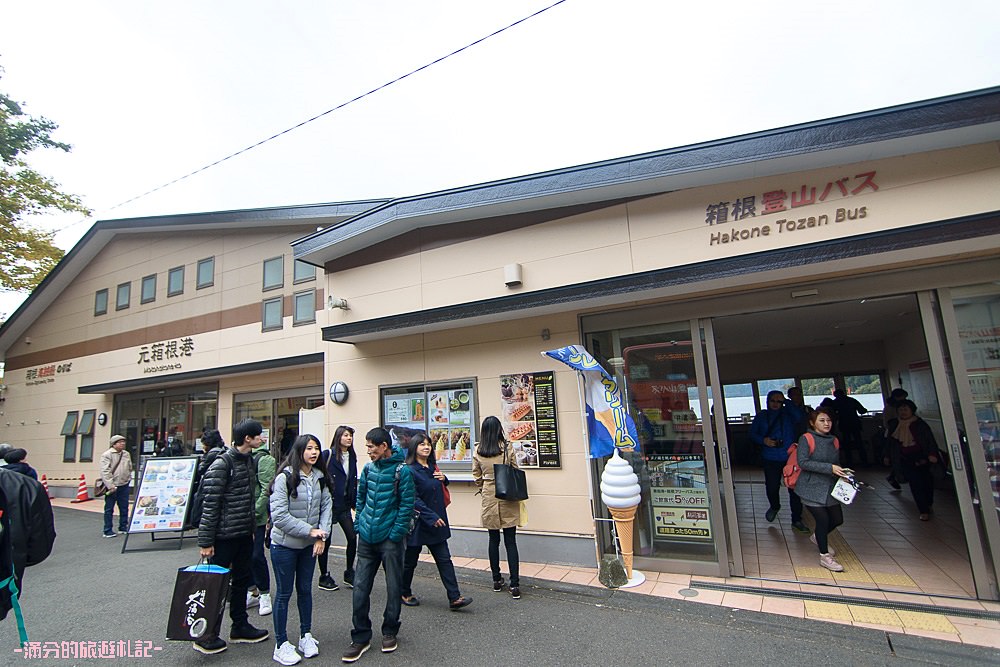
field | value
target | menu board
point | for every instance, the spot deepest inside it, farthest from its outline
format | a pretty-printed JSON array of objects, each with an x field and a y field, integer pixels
[
  {"x": 679, "y": 497},
  {"x": 528, "y": 414},
  {"x": 163, "y": 496},
  {"x": 450, "y": 431}
]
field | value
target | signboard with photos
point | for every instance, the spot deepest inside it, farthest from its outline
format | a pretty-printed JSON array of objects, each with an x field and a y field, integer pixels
[
  {"x": 163, "y": 495},
  {"x": 528, "y": 415}
]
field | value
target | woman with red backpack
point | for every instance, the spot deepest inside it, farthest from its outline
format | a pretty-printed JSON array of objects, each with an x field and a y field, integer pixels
[{"x": 819, "y": 461}]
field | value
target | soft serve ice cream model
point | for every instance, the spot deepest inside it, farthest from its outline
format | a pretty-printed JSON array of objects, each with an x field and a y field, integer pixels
[{"x": 621, "y": 492}]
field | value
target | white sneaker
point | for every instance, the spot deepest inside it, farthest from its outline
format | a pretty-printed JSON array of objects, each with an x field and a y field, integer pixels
[
  {"x": 826, "y": 560},
  {"x": 286, "y": 655},
  {"x": 252, "y": 599},
  {"x": 309, "y": 646},
  {"x": 265, "y": 604}
]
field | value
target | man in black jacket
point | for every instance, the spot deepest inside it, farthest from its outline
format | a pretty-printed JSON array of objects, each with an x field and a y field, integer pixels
[
  {"x": 27, "y": 530},
  {"x": 225, "y": 534}
]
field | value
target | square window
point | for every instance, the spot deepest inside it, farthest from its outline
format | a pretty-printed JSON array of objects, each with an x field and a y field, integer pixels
[
  {"x": 206, "y": 272},
  {"x": 304, "y": 308},
  {"x": 303, "y": 272},
  {"x": 148, "y": 292},
  {"x": 175, "y": 281},
  {"x": 123, "y": 296},
  {"x": 271, "y": 318},
  {"x": 101, "y": 302},
  {"x": 274, "y": 273}
]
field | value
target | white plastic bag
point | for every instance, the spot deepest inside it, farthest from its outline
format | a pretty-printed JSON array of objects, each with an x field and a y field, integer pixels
[{"x": 844, "y": 491}]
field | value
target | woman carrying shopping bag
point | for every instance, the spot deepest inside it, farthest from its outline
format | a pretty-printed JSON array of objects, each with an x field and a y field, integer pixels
[{"x": 301, "y": 517}]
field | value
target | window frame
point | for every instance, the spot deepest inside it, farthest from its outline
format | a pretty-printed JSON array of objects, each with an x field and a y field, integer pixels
[
  {"x": 170, "y": 274},
  {"x": 107, "y": 298},
  {"x": 295, "y": 310},
  {"x": 296, "y": 278},
  {"x": 423, "y": 391},
  {"x": 203, "y": 262},
  {"x": 68, "y": 432},
  {"x": 281, "y": 314},
  {"x": 265, "y": 287},
  {"x": 142, "y": 289},
  {"x": 86, "y": 433},
  {"x": 128, "y": 295}
]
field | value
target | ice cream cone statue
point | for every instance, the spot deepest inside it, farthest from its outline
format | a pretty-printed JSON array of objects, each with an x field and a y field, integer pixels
[{"x": 621, "y": 492}]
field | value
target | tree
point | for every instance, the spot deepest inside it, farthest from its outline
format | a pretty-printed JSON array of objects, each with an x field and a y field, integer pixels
[{"x": 27, "y": 253}]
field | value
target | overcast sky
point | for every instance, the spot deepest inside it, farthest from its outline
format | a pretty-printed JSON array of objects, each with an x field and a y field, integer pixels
[{"x": 148, "y": 92}]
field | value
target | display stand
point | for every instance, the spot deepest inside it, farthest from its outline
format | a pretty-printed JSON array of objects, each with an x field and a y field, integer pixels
[{"x": 165, "y": 489}]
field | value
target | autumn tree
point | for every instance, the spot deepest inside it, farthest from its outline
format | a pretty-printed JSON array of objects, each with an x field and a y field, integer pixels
[{"x": 27, "y": 253}]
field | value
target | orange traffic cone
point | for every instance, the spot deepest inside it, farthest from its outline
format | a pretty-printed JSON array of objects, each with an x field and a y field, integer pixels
[
  {"x": 45, "y": 485},
  {"x": 82, "y": 495}
]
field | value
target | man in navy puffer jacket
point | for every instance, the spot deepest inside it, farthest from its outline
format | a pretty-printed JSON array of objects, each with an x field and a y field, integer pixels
[
  {"x": 385, "y": 507},
  {"x": 775, "y": 430}
]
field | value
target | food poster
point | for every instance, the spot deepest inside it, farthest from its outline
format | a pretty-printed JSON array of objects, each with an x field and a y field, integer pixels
[
  {"x": 163, "y": 496},
  {"x": 407, "y": 410},
  {"x": 528, "y": 415},
  {"x": 451, "y": 424},
  {"x": 679, "y": 497}
]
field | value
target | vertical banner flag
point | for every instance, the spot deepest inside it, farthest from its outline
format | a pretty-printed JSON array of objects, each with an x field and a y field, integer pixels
[{"x": 608, "y": 423}]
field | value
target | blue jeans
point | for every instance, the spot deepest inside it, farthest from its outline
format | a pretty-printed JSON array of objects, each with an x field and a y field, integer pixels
[
  {"x": 119, "y": 497},
  {"x": 261, "y": 577},
  {"x": 292, "y": 567},
  {"x": 390, "y": 555},
  {"x": 442, "y": 558}
]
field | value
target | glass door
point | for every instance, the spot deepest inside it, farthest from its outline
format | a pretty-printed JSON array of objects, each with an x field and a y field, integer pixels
[{"x": 967, "y": 331}]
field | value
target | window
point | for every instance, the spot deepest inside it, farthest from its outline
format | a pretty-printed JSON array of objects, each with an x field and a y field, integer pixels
[
  {"x": 175, "y": 281},
  {"x": 86, "y": 432},
  {"x": 303, "y": 272},
  {"x": 69, "y": 437},
  {"x": 206, "y": 272},
  {"x": 304, "y": 307},
  {"x": 446, "y": 411},
  {"x": 123, "y": 296},
  {"x": 101, "y": 302},
  {"x": 274, "y": 273},
  {"x": 271, "y": 318},
  {"x": 148, "y": 292}
]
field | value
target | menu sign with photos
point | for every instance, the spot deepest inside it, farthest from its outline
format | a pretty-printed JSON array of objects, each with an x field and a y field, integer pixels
[
  {"x": 450, "y": 432},
  {"x": 528, "y": 414},
  {"x": 163, "y": 496}
]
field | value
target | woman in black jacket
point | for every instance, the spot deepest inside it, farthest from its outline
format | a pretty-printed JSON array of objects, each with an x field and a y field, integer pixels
[
  {"x": 431, "y": 528},
  {"x": 342, "y": 465},
  {"x": 914, "y": 446}
]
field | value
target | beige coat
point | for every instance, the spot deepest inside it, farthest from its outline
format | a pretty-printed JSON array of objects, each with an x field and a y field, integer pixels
[
  {"x": 123, "y": 471},
  {"x": 497, "y": 513}
]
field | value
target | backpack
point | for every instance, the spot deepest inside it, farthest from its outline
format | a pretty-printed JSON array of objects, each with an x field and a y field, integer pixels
[{"x": 790, "y": 473}]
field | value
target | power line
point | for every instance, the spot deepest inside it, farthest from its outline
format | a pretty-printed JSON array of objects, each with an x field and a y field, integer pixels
[{"x": 330, "y": 111}]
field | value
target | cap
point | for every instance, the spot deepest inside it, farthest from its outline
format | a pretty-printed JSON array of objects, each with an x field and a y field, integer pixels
[{"x": 116, "y": 438}]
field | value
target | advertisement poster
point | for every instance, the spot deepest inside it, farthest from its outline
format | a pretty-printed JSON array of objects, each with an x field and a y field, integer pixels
[
  {"x": 450, "y": 412},
  {"x": 528, "y": 415},
  {"x": 679, "y": 497},
  {"x": 405, "y": 410},
  {"x": 163, "y": 495}
]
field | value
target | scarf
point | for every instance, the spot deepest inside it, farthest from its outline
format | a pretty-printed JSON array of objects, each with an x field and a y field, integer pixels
[{"x": 903, "y": 433}]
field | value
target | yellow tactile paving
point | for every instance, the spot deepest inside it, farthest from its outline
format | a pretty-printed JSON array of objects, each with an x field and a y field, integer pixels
[
  {"x": 831, "y": 610},
  {"x": 892, "y": 579},
  {"x": 875, "y": 616},
  {"x": 919, "y": 620},
  {"x": 813, "y": 573}
]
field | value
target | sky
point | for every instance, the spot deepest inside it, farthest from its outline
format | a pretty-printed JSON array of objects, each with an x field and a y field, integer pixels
[{"x": 149, "y": 92}]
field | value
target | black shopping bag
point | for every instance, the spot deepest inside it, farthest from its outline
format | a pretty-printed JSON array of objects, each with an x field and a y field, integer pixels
[
  {"x": 199, "y": 600},
  {"x": 510, "y": 482}
]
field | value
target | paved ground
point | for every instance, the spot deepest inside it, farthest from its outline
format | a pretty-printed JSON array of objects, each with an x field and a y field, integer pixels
[{"x": 71, "y": 598}]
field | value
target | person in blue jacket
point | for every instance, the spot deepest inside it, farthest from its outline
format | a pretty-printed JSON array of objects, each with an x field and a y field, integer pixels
[
  {"x": 775, "y": 430},
  {"x": 431, "y": 528}
]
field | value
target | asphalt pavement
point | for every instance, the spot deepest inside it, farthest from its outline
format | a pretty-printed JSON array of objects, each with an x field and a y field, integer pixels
[{"x": 89, "y": 591}]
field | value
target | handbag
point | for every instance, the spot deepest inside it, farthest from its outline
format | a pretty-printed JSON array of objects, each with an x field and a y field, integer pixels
[
  {"x": 844, "y": 491},
  {"x": 444, "y": 487},
  {"x": 198, "y": 602},
  {"x": 100, "y": 488},
  {"x": 510, "y": 482}
]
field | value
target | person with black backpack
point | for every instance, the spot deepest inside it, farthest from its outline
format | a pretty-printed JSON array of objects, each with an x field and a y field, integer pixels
[{"x": 226, "y": 529}]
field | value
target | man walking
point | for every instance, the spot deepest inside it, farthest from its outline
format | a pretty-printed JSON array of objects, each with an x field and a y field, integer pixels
[
  {"x": 116, "y": 473},
  {"x": 775, "y": 429},
  {"x": 385, "y": 507},
  {"x": 265, "y": 466},
  {"x": 225, "y": 534}
]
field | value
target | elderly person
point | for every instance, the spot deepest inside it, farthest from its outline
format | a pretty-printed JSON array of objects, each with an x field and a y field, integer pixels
[{"x": 116, "y": 472}]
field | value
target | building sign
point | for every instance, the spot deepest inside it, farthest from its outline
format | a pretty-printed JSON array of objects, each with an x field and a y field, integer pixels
[
  {"x": 790, "y": 209},
  {"x": 528, "y": 415},
  {"x": 45, "y": 374},
  {"x": 151, "y": 357}
]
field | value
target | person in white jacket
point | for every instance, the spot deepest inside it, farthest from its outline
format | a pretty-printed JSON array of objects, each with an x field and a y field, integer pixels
[
  {"x": 116, "y": 473},
  {"x": 301, "y": 517}
]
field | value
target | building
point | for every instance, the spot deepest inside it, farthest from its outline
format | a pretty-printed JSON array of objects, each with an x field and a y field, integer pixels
[{"x": 867, "y": 245}]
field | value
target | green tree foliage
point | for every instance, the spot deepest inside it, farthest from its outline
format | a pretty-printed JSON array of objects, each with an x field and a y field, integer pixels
[{"x": 27, "y": 253}]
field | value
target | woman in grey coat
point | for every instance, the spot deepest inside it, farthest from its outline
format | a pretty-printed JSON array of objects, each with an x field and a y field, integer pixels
[
  {"x": 820, "y": 471},
  {"x": 301, "y": 516}
]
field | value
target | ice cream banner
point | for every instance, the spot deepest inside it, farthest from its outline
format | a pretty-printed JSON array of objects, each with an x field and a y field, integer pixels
[{"x": 608, "y": 422}]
